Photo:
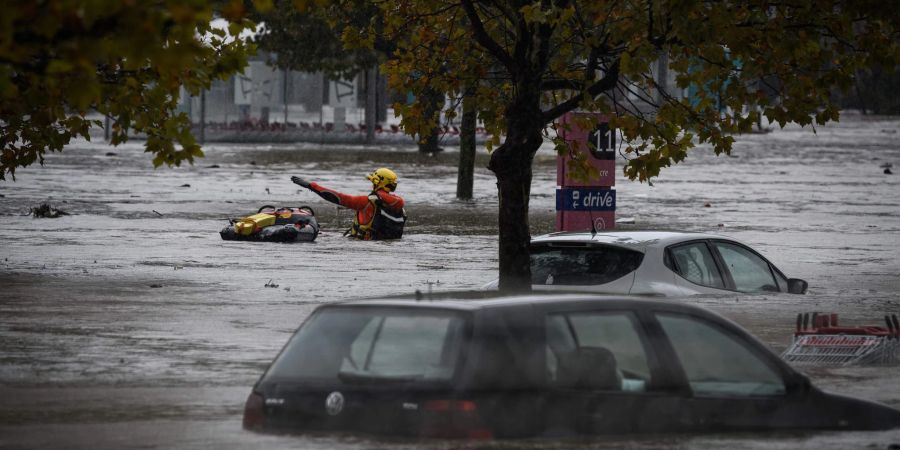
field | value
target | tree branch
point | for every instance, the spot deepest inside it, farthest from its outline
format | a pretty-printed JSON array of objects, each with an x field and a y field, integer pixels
[
  {"x": 609, "y": 81},
  {"x": 593, "y": 60},
  {"x": 484, "y": 39},
  {"x": 560, "y": 84}
]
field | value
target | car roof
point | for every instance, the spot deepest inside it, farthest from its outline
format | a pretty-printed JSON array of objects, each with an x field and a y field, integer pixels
[
  {"x": 480, "y": 300},
  {"x": 636, "y": 240}
]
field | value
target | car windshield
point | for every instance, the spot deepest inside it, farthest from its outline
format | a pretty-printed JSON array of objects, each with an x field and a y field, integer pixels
[
  {"x": 367, "y": 344},
  {"x": 579, "y": 264}
]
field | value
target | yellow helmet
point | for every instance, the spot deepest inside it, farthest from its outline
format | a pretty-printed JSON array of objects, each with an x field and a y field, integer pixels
[{"x": 383, "y": 178}]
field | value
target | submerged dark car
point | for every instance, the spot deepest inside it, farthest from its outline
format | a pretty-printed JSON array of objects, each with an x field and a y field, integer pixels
[{"x": 545, "y": 365}]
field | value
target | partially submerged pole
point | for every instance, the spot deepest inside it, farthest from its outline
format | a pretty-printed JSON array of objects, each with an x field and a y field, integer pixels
[
  {"x": 371, "y": 80},
  {"x": 202, "y": 117},
  {"x": 284, "y": 91}
]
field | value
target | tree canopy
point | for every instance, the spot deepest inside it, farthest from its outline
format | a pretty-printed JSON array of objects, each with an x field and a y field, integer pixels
[
  {"x": 778, "y": 59},
  {"x": 60, "y": 60},
  {"x": 309, "y": 38},
  {"x": 533, "y": 61}
]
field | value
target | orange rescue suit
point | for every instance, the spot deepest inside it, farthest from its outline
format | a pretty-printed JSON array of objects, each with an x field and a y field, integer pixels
[{"x": 366, "y": 207}]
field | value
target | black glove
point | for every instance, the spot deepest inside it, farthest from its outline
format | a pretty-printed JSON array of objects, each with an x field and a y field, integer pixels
[{"x": 300, "y": 181}]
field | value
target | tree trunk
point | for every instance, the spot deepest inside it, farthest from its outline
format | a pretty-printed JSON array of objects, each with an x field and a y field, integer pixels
[
  {"x": 433, "y": 101},
  {"x": 511, "y": 163},
  {"x": 466, "y": 173},
  {"x": 662, "y": 77},
  {"x": 515, "y": 270},
  {"x": 429, "y": 144}
]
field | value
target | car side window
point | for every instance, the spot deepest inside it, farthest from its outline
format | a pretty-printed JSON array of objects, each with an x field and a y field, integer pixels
[
  {"x": 596, "y": 351},
  {"x": 749, "y": 272},
  {"x": 694, "y": 262},
  {"x": 715, "y": 362}
]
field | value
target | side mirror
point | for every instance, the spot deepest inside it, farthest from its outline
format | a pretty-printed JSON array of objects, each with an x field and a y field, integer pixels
[{"x": 797, "y": 286}]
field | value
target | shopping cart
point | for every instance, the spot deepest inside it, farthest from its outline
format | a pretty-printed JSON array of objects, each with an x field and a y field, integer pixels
[{"x": 819, "y": 340}]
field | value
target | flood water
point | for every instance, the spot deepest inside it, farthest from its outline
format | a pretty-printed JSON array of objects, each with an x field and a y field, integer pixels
[{"x": 130, "y": 323}]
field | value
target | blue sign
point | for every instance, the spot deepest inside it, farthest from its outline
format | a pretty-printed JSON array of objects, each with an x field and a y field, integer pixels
[{"x": 585, "y": 199}]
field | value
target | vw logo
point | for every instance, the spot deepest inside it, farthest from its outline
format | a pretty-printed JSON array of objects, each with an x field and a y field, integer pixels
[{"x": 334, "y": 403}]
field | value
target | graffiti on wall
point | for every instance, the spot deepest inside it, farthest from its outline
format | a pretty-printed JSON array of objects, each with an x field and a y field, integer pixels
[{"x": 258, "y": 85}]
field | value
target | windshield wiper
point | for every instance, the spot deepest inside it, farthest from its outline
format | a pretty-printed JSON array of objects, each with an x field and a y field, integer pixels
[{"x": 360, "y": 378}]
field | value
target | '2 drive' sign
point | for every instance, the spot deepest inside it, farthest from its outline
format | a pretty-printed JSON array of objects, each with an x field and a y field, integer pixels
[{"x": 585, "y": 199}]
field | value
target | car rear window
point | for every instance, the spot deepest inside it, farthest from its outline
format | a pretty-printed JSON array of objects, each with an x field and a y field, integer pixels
[
  {"x": 358, "y": 345},
  {"x": 579, "y": 264}
]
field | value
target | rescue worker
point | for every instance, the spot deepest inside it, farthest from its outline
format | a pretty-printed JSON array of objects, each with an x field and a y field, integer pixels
[{"x": 379, "y": 215}]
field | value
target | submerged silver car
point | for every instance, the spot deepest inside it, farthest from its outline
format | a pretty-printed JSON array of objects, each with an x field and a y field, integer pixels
[{"x": 653, "y": 263}]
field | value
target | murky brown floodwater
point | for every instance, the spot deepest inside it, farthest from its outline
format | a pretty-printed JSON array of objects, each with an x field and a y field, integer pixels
[{"x": 131, "y": 324}]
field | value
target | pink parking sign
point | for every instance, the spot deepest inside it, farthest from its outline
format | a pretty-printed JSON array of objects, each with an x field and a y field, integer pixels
[{"x": 580, "y": 203}]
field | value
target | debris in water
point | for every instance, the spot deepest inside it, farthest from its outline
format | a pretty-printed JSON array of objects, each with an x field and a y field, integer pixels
[
  {"x": 48, "y": 212},
  {"x": 888, "y": 171},
  {"x": 267, "y": 191},
  {"x": 111, "y": 154},
  {"x": 157, "y": 212},
  {"x": 288, "y": 289},
  {"x": 707, "y": 205},
  {"x": 214, "y": 166},
  {"x": 432, "y": 283},
  {"x": 155, "y": 286},
  {"x": 185, "y": 185},
  {"x": 270, "y": 284}
]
